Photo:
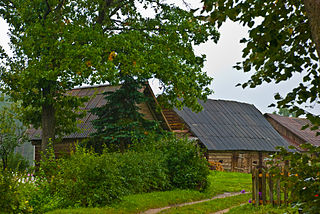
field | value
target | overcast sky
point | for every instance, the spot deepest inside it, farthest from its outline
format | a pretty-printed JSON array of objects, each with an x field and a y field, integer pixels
[{"x": 220, "y": 59}]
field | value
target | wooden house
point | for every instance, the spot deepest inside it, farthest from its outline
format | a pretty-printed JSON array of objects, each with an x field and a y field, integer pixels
[
  {"x": 290, "y": 128},
  {"x": 234, "y": 134},
  {"x": 96, "y": 99}
]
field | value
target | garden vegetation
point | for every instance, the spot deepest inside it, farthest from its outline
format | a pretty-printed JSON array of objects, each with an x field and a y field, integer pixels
[{"x": 88, "y": 179}]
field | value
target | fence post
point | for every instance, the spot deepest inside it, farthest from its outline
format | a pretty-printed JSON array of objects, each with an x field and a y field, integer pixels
[
  {"x": 278, "y": 192},
  {"x": 253, "y": 185},
  {"x": 286, "y": 171},
  {"x": 271, "y": 189},
  {"x": 263, "y": 188},
  {"x": 257, "y": 191}
]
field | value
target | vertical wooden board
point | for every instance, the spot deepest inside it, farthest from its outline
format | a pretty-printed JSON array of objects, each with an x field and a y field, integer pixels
[
  {"x": 253, "y": 185},
  {"x": 257, "y": 190},
  {"x": 286, "y": 171},
  {"x": 233, "y": 161},
  {"x": 270, "y": 179},
  {"x": 264, "y": 189},
  {"x": 278, "y": 192}
]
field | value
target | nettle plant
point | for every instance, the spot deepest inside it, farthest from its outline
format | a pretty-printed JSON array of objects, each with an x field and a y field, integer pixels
[{"x": 303, "y": 178}]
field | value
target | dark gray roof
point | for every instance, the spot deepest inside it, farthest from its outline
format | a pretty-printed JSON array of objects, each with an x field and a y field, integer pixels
[
  {"x": 232, "y": 126},
  {"x": 85, "y": 125},
  {"x": 96, "y": 99}
]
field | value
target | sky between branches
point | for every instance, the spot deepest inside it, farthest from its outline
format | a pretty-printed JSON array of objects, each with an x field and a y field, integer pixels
[{"x": 220, "y": 59}]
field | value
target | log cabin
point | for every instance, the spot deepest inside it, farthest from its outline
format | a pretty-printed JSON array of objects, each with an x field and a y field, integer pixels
[
  {"x": 234, "y": 134},
  {"x": 95, "y": 93}
]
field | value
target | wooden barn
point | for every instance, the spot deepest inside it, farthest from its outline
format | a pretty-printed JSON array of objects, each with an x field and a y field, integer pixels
[
  {"x": 235, "y": 134},
  {"x": 96, "y": 99},
  {"x": 290, "y": 129}
]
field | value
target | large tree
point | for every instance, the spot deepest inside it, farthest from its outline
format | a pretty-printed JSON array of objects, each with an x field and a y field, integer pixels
[
  {"x": 60, "y": 44},
  {"x": 284, "y": 39}
]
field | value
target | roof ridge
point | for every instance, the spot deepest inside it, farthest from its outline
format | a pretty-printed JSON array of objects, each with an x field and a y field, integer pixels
[{"x": 234, "y": 101}]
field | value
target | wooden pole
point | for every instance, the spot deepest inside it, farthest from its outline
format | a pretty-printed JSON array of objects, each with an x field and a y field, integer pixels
[{"x": 271, "y": 189}]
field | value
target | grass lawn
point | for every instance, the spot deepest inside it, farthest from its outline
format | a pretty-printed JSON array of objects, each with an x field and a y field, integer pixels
[
  {"x": 249, "y": 209},
  {"x": 220, "y": 182},
  {"x": 210, "y": 206}
]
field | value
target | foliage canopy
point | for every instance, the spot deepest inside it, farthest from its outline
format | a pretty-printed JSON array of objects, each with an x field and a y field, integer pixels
[
  {"x": 281, "y": 43},
  {"x": 60, "y": 44}
]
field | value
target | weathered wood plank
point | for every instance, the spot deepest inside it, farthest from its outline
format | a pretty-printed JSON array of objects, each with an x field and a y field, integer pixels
[
  {"x": 263, "y": 188},
  {"x": 270, "y": 178},
  {"x": 278, "y": 192}
]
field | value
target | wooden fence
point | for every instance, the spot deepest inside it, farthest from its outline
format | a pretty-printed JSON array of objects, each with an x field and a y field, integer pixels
[{"x": 267, "y": 188}]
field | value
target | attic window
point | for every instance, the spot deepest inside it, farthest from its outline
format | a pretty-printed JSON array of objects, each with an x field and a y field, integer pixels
[
  {"x": 220, "y": 161},
  {"x": 255, "y": 162}
]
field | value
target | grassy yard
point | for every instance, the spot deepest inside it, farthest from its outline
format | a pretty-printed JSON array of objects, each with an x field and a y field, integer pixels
[
  {"x": 210, "y": 206},
  {"x": 249, "y": 209},
  {"x": 220, "y": 182}
]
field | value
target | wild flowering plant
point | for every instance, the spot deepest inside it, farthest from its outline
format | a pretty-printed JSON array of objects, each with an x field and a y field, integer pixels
[{"x": 303, "y": 178}]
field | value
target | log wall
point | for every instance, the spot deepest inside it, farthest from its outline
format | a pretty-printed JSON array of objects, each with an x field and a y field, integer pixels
[
  {"x": 60, "y": 149},
  {"x": 237, "y": 161},
  {"x": 285, "y": 133}
]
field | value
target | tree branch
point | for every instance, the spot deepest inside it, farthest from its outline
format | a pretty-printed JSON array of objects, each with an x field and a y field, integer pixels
[
  {"x": 48, "y": 10},
  {"x": 117, "y": 8},
  {"x": 59, "y": 6},
  {"x": 102, "y": 12}
]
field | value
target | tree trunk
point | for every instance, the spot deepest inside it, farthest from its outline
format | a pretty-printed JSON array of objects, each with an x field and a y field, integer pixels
[
  {"x": 313, "y": 13},
  {"x": 48, "y": 126}
]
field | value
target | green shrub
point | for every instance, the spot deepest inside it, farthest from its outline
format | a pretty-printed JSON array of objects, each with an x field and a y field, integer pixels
[
  {"x": 13, "y": 197},
  {"x": 144, "y": 171},
  {"x": 185, "y": 164},
  {"x": 88, "y": 179},
  {"x": 188, "y": 169}
]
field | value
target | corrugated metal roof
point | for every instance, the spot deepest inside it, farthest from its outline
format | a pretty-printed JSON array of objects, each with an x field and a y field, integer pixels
[
  {"x": 234, "y": 126},
  {"x": 294, "y": 125},
  {"x": 96, "y": 100}
]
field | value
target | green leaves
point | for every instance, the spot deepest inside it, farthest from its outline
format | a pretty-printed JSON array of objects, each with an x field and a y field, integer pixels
[
  {"x": 279, "y": 45},
  {"x": 303, "y": 179},
  {"x": 12, "y": 132},
  {"x": 58, "y": 45}
]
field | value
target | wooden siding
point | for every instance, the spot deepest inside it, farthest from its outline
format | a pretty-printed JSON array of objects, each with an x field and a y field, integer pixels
[
  {"x": 285, "y": 133},
  {"x": 60, "y": 149},
  {"x": 237, "y": 161}
]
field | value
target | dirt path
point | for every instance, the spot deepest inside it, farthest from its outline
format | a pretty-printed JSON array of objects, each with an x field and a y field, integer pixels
[
  {"x": 227, "y": 210},
  {"x": 224, "y": 195}
]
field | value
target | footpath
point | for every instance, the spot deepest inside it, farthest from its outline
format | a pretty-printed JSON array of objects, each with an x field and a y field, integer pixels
[{"x": 224, "y": 195}]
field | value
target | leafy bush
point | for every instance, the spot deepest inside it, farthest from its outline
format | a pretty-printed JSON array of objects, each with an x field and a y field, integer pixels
[
  {"x": 144, "y": 171},
  {"x": 304, "y": 176},
  {"x": 186, "y": 166},
  {"x": 188, "y": 169},
  {"x": 13, "y": 197},
  {"x": 88, "y": 179}
]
